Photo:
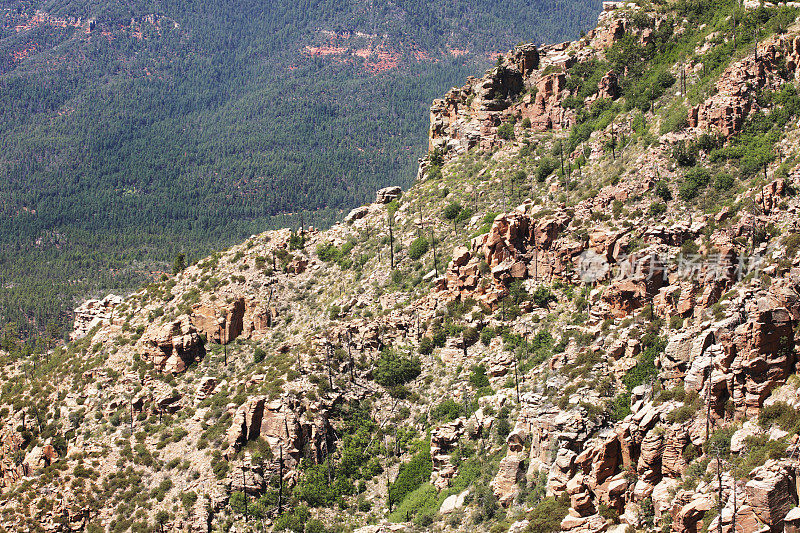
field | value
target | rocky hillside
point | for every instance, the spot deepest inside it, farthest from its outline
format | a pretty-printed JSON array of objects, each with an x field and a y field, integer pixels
[{"x": 582, "y": 317}]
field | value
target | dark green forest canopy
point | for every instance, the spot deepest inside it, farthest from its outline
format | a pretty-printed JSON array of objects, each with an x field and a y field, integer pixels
[{"x": 192, "y": 129}]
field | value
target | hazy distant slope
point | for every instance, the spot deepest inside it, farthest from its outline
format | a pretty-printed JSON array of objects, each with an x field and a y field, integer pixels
[{"x": 161, "y": 126}]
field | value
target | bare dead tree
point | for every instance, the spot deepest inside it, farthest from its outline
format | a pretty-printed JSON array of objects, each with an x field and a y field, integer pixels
[
  {"x": 280, "y": 480},
  {"x": 328, "y": 351},
  {"x": 390, "y": 221},
  {"x": 719, "y": 497}
]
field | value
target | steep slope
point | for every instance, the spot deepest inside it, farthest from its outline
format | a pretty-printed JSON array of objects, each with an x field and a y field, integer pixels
[
  {"x": 126, "y": 125},
  {"x": 581, "y": 317}
]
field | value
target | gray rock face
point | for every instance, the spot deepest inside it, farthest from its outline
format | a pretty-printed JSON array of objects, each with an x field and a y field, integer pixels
[{"x": 387, "y": 194}]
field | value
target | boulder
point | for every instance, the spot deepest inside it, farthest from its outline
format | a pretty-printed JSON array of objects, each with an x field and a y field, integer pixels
[
  {"x": 205, "y": 388},
  {"x": 356, "y": 214},
  {"x": 443, "y": 439},
  {"x": 220, "y": 323},
  {"x": 791, "y": 521},
  {"x": 504, "y": 485},
  {"x": 609, "y": 86},
  {"x": 388, "y": 194},
  {"x": 172, "y": 346},
  {"x": 769, "y": 493},
  {"x": 92, "y": 313},
  {"x": 694, "y": 511},
  {"x": 764, "y": 358},
  {"x": 453, "y": 502}
]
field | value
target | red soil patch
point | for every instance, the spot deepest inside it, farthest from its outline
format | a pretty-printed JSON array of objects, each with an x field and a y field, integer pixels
[{"x": 324, "y": 50}]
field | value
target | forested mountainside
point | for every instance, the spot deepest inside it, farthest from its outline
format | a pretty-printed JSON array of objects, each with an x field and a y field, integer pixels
[
  {"x": 134, "y": 131},
  {"x": 581, "y": 317}
]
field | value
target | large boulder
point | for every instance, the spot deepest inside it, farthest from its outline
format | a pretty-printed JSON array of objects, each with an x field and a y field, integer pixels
[
  {"x": 771, "y": 493},
  {"x": 388, "y": 194},
  {"x": 92, "y": 313},
  {"x": 443, "y": 439},
  {"x": 220, "y": 323},
  {"x": 172, "y": 346},
  {"x": 510, "y": 473},
  {"x": 765, "y": 358}
]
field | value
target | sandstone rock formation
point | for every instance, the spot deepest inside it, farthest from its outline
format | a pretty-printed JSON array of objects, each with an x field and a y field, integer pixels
[
  {"x": 726, "y": 111},
  {"x": 388, "y": 194},
  {"x": 173, "y": 346},
  {"x": 286, "y": 426},
  {"x": 93, "y": 313}
]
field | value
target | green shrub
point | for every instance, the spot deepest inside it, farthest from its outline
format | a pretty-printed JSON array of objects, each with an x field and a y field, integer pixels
[
  {"x": 665, "y": 79},
  {"x": 676, "y": 120},
  {"x": 546, "y": 167},
  {"x": 620, "y": 407},
  {"x": 452, "y": 211},
  {"x": 315, "y": 489},
  {"x": 663, "y": 192},
  {"x": 694, "y": 181},
  {"x": 542, "y": 296},
  {"x": 259, "y": 354},
  {"x": 327, "y": 252},
  {"x": 682, "y": 414},
  {"x": 685, "y": 154},
  {"x": 759, "y": 450},
  {"x": 487, "y": 334},
  {"x": 657, "y": 209},
  {"x": 478, "y": 378},
  {"x": 411, "y": 475},
  {"x": 446, "y": 411},
  {"x": 503, "y": 428},
  {"x": 425, "y": 346},
  {"x": 297, "y": 241},
  {"x": 294, "y": 521},
  {"x": 418, "y": 248},
  {"x": 464, "y": 215},
  {"x": 645, "y": 368},
  {"x": 439, "y": 338},
  {"x": 547, "y": 515},
  {"x": 792, "y": 244},
  {"x": 470, "y": 336},
  {"x": 188, "y": 499},
  {"x": 486, "y": 503},
  {"x": 506, "y": 131},
  {"x": 393, "y": 369},
  {"x": 317, "y": 526},
  {"x": 220, "y": 468},
  {"x": 434, "y": 172},
  {"x": 724, "y": 182},
  {"x": 782, "y": 414},
  {"x": 421, "y": 501}
]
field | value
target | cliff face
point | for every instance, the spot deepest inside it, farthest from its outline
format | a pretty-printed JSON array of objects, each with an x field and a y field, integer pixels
[
  {"x": 528, "y": 83},
  {"x": 582, "y": 317}
]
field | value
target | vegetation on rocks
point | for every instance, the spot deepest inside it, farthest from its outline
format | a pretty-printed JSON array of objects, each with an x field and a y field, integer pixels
[{"x": 588, "y": 324}]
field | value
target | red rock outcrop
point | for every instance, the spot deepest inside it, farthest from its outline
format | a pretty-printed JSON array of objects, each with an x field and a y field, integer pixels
[
  {"x": 764, "y": 358},
  {"x": 284, "y": 424},
  {"x": 544, "y": 108},
  {"x": 609, "y": 87},
  {"x": 219, "y": 323},
  {"x": 241, "y": 317},
  {"x": 443, "y": 439},
  {"x": 388, "y": 194},
  {"x": 11, "y": 455},
  {"x": 771, "y": 493},
  {"x": 92, "y": 313},
  {"x": 726, "y": 111},
  {"x": 172, "y": 346},
  {"x": 505, "y": 483}
]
